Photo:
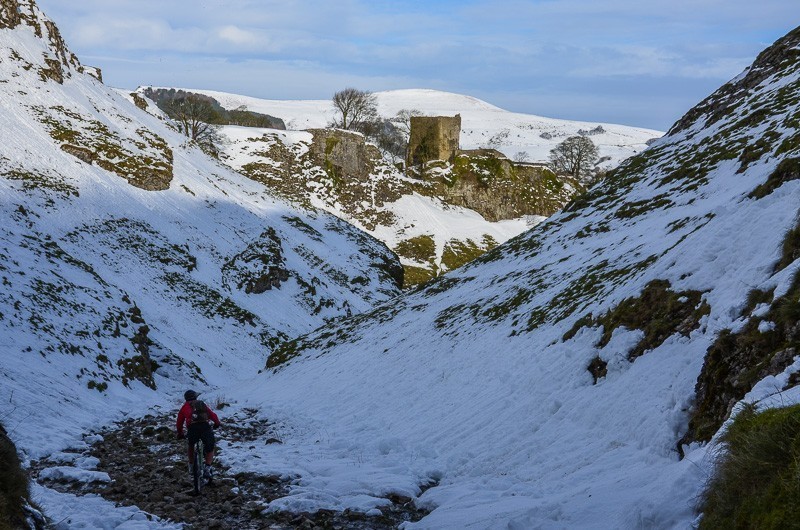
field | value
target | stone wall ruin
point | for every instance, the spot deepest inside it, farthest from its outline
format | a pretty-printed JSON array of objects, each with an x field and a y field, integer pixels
[{"x": 433, "y": 138}]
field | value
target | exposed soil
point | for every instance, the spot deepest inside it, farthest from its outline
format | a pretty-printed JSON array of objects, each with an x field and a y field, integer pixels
[{"x": 148, "y": 467}]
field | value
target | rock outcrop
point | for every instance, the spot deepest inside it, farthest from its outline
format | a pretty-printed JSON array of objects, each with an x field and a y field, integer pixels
[
  {"x": 341, "y": 170},
  {"x": 344, "y": 154},
  {"x": 60, "y": 62},
  {"x": 486, "y": 181}
]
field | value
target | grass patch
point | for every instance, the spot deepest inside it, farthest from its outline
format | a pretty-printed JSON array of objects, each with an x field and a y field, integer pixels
[
  {"x": 414, "y": 276},
  {"x": 737, "y": 361},
  {"x": 791, "y": 248},
  {"x": 658, "y": 312},
  {"x": 14, "y": 493},
  {"x": 787, "y": 170},
  {"x": 457, "y": 253},
  {"x": 421, "y": 248},
  {"x": 756, "y": 484}
]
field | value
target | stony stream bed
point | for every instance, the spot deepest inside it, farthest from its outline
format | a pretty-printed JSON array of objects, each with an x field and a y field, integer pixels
[{"x": 139, "y": 462}]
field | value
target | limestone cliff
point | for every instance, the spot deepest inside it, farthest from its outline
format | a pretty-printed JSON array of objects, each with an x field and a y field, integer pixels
[{"x": 58, "y": 62}]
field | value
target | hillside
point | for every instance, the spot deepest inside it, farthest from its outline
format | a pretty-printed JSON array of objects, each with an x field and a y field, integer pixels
[
  {"x": 572, "y": 377},
  {"x": 132, "y": 264},
  {"x": 436, "y": 221},
  {"x": 558, "y": 380}
]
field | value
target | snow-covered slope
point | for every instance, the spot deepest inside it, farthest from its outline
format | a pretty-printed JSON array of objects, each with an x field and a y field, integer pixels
[
  {"x": 548, "y": 383},
  {"x": 131, "y": 261},
  {"x": 481, "y": 122}
]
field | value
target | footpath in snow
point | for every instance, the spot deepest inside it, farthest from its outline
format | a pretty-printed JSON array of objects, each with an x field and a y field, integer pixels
[{"x": 138, "y": 463}]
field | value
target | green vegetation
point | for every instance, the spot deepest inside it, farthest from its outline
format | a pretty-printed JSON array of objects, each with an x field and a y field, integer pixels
[
  {"x": 757, "y": 297},
  {"x": 757, "y": 150},
  {"x": 791, "y": 248},
  {"x": 330, "y": 168},
  {"x": 139, "y": 101},
  {"x": 737, "y": 361},
  {"x": 167, "y": 99},
  {"x": 787, "y": 170},
  {"x": 583, "y": 322},
  {"x": 259, "y": 267},
  {"x": 36, "y": 181},
  {"x": 144, "y": 160},
  {"x": 634, "y": 209},
  {"x": 483, "y": 169},
  {"x": 457, "y": 253},
  {"x": 285, "y": 352},
  {"x": 304, "y": 227},
  {"x": 94, "y": 385},
  {"x": 206, "y": 300},
  {"x": 137, "y": 368},
  {"x": 755, "y": 484},
  {"x": 658, "y": 312},
  {"x": 442, "y": 284},
  {"x": 422, "y": 250},
  {"x": 14, "y": 494},
  {"x": 416, "y": 276}
]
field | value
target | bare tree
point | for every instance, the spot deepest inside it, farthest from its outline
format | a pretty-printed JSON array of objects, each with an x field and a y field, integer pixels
[
  {"x": 195, "y": 117},
  {"x": 356, "y": 110},
  {"x": 522, "y": 157},
  {"x": 402, "y": 121},
  {"x": 575, "y": 156}
]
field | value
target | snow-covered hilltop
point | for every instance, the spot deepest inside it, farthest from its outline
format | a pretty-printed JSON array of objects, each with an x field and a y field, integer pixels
[
  {"x": 556, "y": 381},
  {"x": 434, "y": 222},
  {"x": 481, "y": 122}
]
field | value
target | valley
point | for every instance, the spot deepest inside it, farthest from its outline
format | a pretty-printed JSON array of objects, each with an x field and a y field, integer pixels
[{"x": 390, "y": 347}]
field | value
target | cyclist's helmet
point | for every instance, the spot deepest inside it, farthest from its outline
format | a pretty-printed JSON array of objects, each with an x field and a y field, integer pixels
[{"x": 190, "y": 395}]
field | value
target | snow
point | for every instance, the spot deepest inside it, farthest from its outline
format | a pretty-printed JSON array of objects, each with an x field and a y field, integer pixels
[
  {"x": 454, "y": 385},
  {"x": 73, "y": 474},
  {"x": 483, "y": 125},
  {"x": 508, "y": 418},
  {"x": 91, "y": 512},
  {"x": 428, "y": 216},
  {"x": 480, "y": 121},
  {"x": 85, "y": 247}
]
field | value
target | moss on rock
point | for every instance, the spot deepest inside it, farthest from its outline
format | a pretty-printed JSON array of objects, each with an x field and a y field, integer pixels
[
  {"x": 737, "y": 361},
  {"x": 145, "y": 160}
]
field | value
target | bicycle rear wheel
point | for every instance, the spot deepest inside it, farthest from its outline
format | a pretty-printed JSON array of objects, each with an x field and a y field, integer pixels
[{"x": 198, "y": 467}]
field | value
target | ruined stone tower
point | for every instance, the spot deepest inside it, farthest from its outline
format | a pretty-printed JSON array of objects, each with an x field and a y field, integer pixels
[{"x": 433, "y": 138}]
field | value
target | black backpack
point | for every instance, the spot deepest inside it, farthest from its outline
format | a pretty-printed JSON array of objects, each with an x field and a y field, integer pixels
[{"x": 199, "y": 412}]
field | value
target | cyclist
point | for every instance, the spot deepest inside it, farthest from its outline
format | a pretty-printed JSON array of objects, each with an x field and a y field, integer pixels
[{"x": 195, "y": 415}]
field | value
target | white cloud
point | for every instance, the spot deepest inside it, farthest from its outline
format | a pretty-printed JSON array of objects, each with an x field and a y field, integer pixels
[
  {"x": 238, "y": 35},
  {"x": 475, "y": 46}
]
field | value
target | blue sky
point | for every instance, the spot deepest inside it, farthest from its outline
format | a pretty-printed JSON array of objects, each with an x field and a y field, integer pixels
[{"x": 639, "y": 62}]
